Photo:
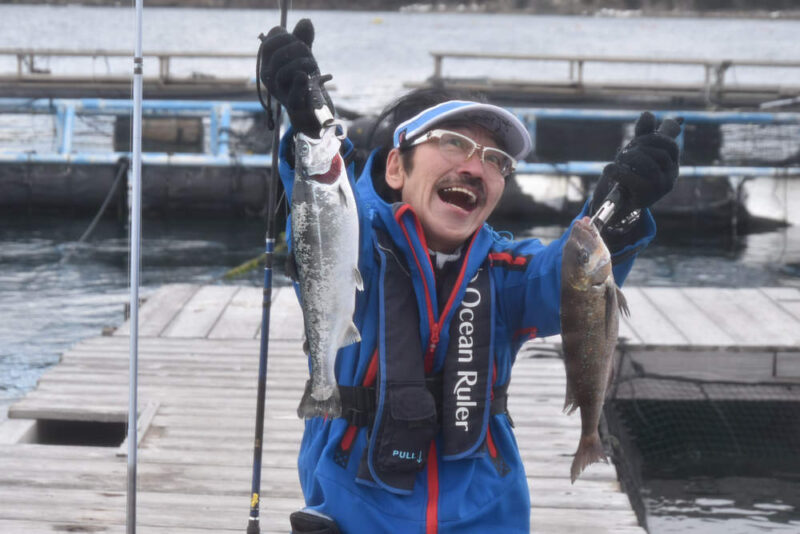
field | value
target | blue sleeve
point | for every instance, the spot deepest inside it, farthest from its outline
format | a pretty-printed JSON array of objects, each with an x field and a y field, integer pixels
[{"x": 530, "y": 299}]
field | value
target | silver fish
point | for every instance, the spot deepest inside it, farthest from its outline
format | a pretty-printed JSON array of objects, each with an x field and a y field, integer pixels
[
  {"x": 590, "y": 300},
  {"x": 325, "y": 251}
]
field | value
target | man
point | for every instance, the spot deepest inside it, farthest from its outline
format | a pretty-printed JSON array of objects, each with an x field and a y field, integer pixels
[{"x": 424, "y": 444}]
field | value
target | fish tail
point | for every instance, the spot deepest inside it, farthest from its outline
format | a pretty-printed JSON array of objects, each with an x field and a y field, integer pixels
[
  {"x": 590, "y": 450},
  {"x": 310, "y": 407}
]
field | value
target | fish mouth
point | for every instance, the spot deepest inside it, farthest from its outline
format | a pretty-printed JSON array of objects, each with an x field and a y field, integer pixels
[{"x": 464, "y": 194}]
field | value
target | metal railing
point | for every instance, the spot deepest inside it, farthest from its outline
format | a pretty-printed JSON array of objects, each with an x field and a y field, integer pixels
[
  {"x": 714, "y": 71},
  {"x": 28, "y": 58},
  {"x": 529, "y": 117},
  {"x": 219, "y": 114}
]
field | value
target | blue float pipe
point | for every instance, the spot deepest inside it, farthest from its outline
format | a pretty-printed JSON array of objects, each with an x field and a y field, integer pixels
[
  {"x": 113, "y": 106},
  {"x": 67, "y": 129},
  {"x": 595, "y": 168},
  {"x": 220, "y": 114},
  {"x": 578, "y": 168},
  {"x": 148, "y": 158},
  {"x": 689, "y": 116},
  {"x": 223, "y": 130}
]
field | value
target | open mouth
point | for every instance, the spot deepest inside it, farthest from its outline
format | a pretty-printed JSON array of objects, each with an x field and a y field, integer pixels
[{"x": 459, "y": 196}]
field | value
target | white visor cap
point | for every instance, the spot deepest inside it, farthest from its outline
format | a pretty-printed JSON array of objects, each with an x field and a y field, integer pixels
[{"x": 503, "y": 124}]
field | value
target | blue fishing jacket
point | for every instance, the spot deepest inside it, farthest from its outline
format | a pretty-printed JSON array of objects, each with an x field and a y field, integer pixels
[{"x": 486, "y": 490}]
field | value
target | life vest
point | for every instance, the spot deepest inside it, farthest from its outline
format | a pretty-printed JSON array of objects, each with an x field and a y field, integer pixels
[{"x": 403, "y": 407}]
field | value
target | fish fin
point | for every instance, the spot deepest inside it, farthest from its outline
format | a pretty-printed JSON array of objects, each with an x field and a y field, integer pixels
[
  {"x": 622, "y": 302},
  {"x": 611, "y": 306},
  {"x": 359, "y": 280},
  {"x": 570, "y": 405},
  {"x": 291, "y": 267},
  {"x": 351, "y": 335},
  {"x": 310, "y": 407},
  {"x": 590, "y": 450}
]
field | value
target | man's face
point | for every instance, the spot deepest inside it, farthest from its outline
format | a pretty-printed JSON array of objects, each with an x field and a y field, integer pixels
[{"x": 451, "y": 200}]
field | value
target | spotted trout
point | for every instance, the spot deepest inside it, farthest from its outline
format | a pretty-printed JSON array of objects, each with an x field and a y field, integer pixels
[
  {"x": 325, "y": 257},
  {"x": 590, "y": 304}
]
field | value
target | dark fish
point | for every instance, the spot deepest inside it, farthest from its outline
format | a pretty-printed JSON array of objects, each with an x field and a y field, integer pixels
[
  {"x": 325, "y": 253},
  {"x": 590, "y": 304}
]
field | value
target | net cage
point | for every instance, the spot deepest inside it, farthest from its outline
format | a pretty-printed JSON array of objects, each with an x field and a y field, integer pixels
[
  {"x": 76, "y": 189},
  {"x": 671, "y": 427}
]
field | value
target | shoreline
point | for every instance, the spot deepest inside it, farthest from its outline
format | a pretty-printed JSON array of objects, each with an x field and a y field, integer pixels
[{"x": 434, "y": 9}]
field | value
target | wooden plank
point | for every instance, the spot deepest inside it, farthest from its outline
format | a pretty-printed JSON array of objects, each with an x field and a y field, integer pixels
[
  {"x": 142, "y": 426},
  {"x": 241, "y": 317},
  {"x": 724, "y": 308},
  {"x": 782, "y": 293},
  {"x": 46, "y": 525},
  {"x": 765, "y": 316},
  {"x": 626, "y": 332},
  {"x": 694, "y": 325},
  {"x": 654, "y": 389},
  {"x": 593, "y": 494},
  {"x": 201, "y": 312},
  {"x": 546, "y": 520},
  {"x": 108, "y": 413},
  {"x": 159, "y": 309},
  {"x": 16, "y": 430},
  {"x": 288, "y": 321},
  {"x": 651, "y": 326},
  {"x": 706, "y": 365},
  {"x": 165, "y": 478},
  {"x": 788, "y": 299},
  {"x": 787, "y": 365}
]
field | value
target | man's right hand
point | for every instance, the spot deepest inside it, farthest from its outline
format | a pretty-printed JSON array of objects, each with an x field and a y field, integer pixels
[{"x": 288, "y": 69}]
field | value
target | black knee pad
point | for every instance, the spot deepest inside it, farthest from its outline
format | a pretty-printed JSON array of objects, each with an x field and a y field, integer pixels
[{"x": 312, "y": 523}]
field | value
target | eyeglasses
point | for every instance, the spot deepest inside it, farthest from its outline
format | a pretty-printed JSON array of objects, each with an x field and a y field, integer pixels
[{"x": 458, "y": 148}]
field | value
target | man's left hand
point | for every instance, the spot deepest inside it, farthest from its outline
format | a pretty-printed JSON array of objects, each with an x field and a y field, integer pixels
[{"x": 646, "y": 168}]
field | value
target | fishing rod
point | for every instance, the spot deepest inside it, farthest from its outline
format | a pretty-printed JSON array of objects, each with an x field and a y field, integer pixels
[
  {"x": 253, "y": 524},
  {"x": 135, "y": 236}
]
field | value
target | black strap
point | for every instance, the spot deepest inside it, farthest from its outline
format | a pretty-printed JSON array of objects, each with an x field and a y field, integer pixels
[
  {"x": 358, "y": 402},
  {"x": 500, "y": 402}
]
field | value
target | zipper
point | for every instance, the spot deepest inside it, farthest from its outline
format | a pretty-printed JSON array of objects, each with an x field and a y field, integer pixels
[
  {"x": 432, "y": 508},
  {"x": 435, "y": 329}
]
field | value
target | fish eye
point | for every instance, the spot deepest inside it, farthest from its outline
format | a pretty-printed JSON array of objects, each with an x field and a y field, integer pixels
[{"x": 583, "y": 257}]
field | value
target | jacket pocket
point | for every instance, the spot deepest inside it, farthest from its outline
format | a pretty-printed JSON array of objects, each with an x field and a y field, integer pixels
[{"x": 409, "y": 425}]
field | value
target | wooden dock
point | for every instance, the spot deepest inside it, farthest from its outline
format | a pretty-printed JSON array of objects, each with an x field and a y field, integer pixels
[
  {"x": 748, "y": 336},
  {"x": 198, "y": 366},
  {"x": 197, "y": 388}
]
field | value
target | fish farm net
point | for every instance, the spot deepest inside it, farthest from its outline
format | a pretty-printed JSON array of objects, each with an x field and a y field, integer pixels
[{"x": 665, "y": 427}]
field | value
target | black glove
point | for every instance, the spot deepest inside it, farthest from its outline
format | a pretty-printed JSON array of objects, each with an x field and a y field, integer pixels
[
  {"x": 290, "y": 73},
  {"x": 645, "y": 169}
]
